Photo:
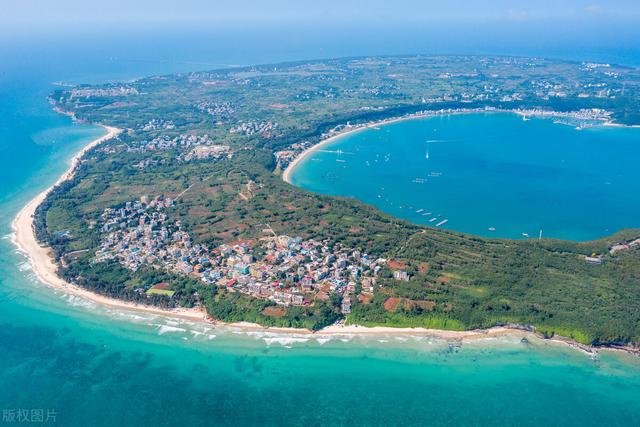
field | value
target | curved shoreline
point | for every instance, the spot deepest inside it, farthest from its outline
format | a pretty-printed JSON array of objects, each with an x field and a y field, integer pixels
[
  {"x": 45, "y": 269},
  {"x": 286, "y": 174},
  {"x": 40, "y": 257}
]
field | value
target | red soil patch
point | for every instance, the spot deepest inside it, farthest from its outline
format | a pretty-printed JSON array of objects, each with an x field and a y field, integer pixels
[
  {"x": 365, "y": 298},
  {"x": 442, "y": 279},
  {"x": 322, "y": 296},
  {"x": 423, "y": 267},
  {"x": 396, "y": 265},
  {"x": 391, "y": 304},
  {"x": 276, "y": 312}
]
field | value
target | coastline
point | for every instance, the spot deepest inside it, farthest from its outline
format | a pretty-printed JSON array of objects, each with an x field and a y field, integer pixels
[
  {"x": 40, "y": 257},
  {"x": 45, "y": 269},
  {"x": 286, "y": 174}
]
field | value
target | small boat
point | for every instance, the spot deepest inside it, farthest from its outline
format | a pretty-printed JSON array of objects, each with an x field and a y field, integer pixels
[
  {"x": 419, "y": 210},
  {"x": 492, "y": 229},
  {"x": 432, "y": 219},
  {"x": 443, "y": 222}
]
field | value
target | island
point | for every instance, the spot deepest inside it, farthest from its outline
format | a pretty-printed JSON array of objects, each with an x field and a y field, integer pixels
[{"x": 185, "y": 204}]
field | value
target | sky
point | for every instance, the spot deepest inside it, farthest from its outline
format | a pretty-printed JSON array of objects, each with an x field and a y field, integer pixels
[
  {"x": 320, "y": 28},
  {"x": 27, "y": 14}
]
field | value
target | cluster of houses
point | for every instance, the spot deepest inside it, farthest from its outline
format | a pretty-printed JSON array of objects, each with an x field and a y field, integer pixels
[
  {"x": 158, "y": 124},
  {"x": 265, "y": 129},
  {"x": 218, "y": 110},
  {"x": 283, "y": 269},
  {"x": 193, "y": 147},
  {"x": 595, "y": 259},
  {"x": 103, "y": 92},
  {"x": 619, "y": 247},
  {"x": 206, "y": 152},
  {"x": 166, "y": 142}
]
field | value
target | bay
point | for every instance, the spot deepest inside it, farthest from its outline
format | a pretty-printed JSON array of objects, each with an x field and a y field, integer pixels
[{"x": 490, "y": 174}]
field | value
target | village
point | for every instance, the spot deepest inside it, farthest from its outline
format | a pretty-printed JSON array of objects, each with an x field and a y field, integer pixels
[{"x": 286, "y": 270}]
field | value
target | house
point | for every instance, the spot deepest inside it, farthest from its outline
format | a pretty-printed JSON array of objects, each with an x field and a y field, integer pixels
[
  {"x": 401, "y": 275},
  {"x": 594, "y": 260},
  {"x": 368, "y": 284},
  {"x": 346, "y": 305}
]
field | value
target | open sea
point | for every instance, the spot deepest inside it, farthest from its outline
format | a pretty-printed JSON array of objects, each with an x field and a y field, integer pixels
[{"x": 78, "y": 364}]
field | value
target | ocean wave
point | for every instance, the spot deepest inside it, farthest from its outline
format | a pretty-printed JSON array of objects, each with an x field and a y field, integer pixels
[
  {"x": 25, "y": 266},
  {"x": 171, "y": 322},
  {"x": 76, "y": 301},
  {"x": 163, "y": 329},
  {"x": 284, "y": 341},
  {"x": 137, "y": 318}
]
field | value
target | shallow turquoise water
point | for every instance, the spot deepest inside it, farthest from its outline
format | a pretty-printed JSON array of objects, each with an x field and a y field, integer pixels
[
  {"x": 491, "y": 174},
  {"x": 96, "y": 366}
]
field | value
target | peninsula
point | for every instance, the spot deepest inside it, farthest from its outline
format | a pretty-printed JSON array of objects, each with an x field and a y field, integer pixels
[{"x": 186, "y": 208}]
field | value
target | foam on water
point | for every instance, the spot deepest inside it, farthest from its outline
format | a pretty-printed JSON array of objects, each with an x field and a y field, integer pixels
[{"x": 163, "y": 329}]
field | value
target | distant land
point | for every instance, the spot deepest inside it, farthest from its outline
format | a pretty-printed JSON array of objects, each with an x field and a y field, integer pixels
[{"x": 186, "y": 207}]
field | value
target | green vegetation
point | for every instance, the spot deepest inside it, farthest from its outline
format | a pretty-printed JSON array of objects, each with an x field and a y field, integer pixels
[{"x": 457, "y": 281}]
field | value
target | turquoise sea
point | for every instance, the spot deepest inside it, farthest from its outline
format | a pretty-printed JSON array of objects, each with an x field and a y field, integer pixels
[
  {"x": 80, "y": 364},
  {"x": 491, "y": 174}
]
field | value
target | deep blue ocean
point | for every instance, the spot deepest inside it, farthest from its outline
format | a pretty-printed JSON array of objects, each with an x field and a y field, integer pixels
[{"x": 80, "y": 364}]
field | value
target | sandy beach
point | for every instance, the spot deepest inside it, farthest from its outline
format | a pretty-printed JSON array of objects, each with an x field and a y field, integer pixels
[
  {"x": 40, "y": 256},
  {"x": 286, "y": 175}
]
